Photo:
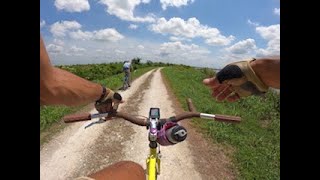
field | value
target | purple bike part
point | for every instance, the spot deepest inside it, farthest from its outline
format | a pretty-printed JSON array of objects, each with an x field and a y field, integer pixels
[{"x": 161, "y": 136}]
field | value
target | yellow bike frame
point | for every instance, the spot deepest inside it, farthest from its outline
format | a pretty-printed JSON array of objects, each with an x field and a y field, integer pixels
[
  {"x": 153, "y": 160},
  {"x": 153, "y": 164}
]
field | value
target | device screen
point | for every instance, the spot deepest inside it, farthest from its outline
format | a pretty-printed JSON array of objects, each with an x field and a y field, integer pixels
[{"x": 154, "y": 112}]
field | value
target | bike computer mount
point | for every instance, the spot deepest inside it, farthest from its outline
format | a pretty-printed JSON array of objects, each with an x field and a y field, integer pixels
[{"x": 154, "y": 113}]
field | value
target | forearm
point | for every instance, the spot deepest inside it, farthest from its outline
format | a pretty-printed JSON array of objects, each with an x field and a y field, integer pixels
[
  {"x": 268, "y": 70},
  {"x": 65, "y": 88}
]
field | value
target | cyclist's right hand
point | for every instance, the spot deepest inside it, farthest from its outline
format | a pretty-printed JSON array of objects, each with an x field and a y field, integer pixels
[
  {"x": 234, "y": 81},
  {"x": 109, "y": 103}
]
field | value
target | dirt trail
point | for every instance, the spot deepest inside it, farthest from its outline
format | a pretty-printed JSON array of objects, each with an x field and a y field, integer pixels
[{"x": 77, "y": 151}]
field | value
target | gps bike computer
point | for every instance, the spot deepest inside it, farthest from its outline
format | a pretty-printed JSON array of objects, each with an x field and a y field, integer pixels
[{"x": 154, "y": 113}]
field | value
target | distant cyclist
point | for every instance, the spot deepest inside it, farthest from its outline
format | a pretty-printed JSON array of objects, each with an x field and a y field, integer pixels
[{"x": 127, "y": 68}]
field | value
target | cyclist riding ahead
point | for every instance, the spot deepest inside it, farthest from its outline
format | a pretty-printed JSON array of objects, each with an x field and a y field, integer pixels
[{"x": 127, "y": 69}]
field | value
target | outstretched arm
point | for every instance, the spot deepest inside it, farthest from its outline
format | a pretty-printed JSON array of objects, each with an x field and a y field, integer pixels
[{"x": 60, "y": 87}]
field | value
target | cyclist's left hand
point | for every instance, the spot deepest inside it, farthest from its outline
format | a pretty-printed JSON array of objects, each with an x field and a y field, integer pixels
[
  {"x": 109, "y": 103},
  {"x": 236, "y": 80}
]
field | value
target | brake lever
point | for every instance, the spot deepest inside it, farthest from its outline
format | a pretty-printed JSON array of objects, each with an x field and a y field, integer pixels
[{"x": 101, "y": 120}]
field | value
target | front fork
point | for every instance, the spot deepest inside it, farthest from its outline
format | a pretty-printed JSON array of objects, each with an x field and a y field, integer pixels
[
  {"x": 158, "y": 161},
  {"x": 153, "y": 162}
]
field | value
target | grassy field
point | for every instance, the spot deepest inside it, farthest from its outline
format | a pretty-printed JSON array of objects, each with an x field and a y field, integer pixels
[
  {"x": 49, "y": 114},
  {"x": 256, "y": 140}
]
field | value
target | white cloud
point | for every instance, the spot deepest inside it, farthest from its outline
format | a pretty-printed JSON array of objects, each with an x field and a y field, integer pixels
[
  {"x": 54, "y": 48},
  {"x": 109, "y": 34},
  {"x": 242, "y": 47},
  {"x": 73, "y": 29},
  {"x": 133, "y": 26},
  {"x": 246, "y": 49},
  {"x": 124, "y": 9},
  {"x": 119, "y": 51},
  {"x": 190, "y": 29},
  {"x": 42, "y": 23},
  {"x": 178, "y": 47},
  {"x": 269, "y": 32},
  {"x": 276, "y": 11},
  {"x": 174, "y": 3},
  {"x": 77, "y": 49},
  {"x": 252, "y": 23},
  {"x": 174, "y": 38},
  {"x": 140, "y": 46},
  {"x": 81, "y": 35},
  {"x": 177, "y": 52},
  {"x": 272, "y": 35},
  {"x": 177, "y": 26},
  {"x": 58, "y": 42},
  {"x": 213, "y": 37},
  {"x": 72, "y": 5},
  {"x": 59, "y": 29}
]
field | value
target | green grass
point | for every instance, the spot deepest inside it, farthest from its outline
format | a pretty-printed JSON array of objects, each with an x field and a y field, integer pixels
[
  {"x": 52, "y": 114},
  {"x": 256, "y": 140}
]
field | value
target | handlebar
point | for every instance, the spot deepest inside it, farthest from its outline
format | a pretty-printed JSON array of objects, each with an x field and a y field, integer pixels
[{"x": 144, "y": 122}]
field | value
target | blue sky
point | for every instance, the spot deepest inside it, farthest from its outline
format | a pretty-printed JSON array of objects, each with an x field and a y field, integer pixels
[{"x": 206, "y": 33}]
